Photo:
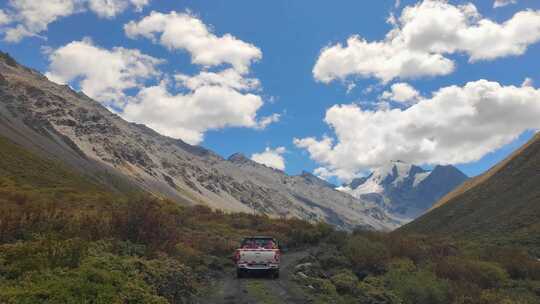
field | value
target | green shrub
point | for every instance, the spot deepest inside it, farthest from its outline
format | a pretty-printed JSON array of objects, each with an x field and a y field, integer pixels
[
  {"x": 330, "y": 258},
  {"x": 517, "y": 262},
  {"x": 483, "y": 274},
  {"x": 502, "y": 296},
  {"x": 103, "y": 279},
  {"x": 366, "y": 255},
  {"x": 402, "y": 264},
  {"x": 421, "y": 287},
  {"x": 42, "y": 253},
  {"x": 373, "y": 291},
  {"x": 169, "y": 278},
  {"x": 345, "y": 282},
  {"x": 324, "y": 286},
  {"x": 338, "y": 238}
]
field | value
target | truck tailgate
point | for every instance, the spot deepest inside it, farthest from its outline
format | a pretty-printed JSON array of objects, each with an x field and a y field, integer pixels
[{"x": 258, "y": 256}]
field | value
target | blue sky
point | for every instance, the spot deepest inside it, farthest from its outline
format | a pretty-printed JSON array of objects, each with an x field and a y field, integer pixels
[{"x": 290, "y": 35}]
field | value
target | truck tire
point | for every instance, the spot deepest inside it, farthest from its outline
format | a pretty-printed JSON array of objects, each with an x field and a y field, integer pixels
[
  {"x": 239, "y": 273},
  {"x": 275, "y": 274}
]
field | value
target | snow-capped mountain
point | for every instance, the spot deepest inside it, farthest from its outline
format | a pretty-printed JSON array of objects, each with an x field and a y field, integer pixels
[{"x": 403, "y": 189}]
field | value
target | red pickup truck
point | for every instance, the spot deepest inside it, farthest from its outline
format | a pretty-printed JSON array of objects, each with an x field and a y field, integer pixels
[{"x": 257, "y": 253}]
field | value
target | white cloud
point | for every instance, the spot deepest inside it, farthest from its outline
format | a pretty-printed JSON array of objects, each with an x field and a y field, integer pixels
[
  {"x": 111, "y": 8},
  {"x": 271, "y": 157},
  {"x": 31, "y": 17},
  {"x": 34, "y": 16},
  {"x": 102, "y": 74},
  {"x": 267, "y": 120},
  {"x": 189, "y": 116},
  {"x": 323, "y": 173},
  {"x": 186, "y": 32},
  {"x": 456, "y": 125},
  {"x": 4, "y": 18},
  {"x": 213, "y": 100},
  {"x": 501, "y": 3},
  {"x": 229, "y": 78},
  {"x": 139, "y": 4},
  {"x": 420, "y": 39},
  {"x": 401, "y": 92},
  {"x": 382, "y": 60},
  {"x": 107, "y": 8}
]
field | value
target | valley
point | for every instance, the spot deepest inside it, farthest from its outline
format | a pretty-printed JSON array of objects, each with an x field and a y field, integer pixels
[{"x": 96, "y": 209}]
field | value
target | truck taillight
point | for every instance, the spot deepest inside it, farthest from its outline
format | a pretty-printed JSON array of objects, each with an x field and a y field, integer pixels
[
  {"x": 237, "y": 256},
  {"x": 277, "y": 255}
]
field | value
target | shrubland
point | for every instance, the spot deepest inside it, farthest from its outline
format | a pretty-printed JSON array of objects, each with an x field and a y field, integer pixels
[
  {"x": 391, "y": 268},
  {"x": 66, "y": 239}
]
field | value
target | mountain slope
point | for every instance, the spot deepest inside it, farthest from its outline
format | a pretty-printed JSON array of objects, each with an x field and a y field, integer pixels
[
  {"x": 54, "y": 121},
  {"x": 66, "y": 239},
  {"x": 502, "y": 204},
  {"x": 405, "y": 190}
]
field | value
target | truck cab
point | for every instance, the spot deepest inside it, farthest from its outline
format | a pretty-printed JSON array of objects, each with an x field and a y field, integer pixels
[{"x": 257, "y": 254}]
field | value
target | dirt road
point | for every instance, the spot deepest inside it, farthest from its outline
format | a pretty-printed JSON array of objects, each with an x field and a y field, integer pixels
[{"x": 259, "y": 289}]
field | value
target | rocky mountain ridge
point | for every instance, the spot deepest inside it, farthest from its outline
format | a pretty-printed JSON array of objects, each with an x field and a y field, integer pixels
[{"x": 65, "y": 125}]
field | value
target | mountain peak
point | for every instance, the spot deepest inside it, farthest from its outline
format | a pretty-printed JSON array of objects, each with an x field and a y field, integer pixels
[
  {"x": 395, "y": 172},
  {"x": 238, "y": 158},
  {"x": 405, "y": 189}
]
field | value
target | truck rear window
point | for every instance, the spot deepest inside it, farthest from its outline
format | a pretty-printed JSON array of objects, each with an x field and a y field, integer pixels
[{"x": 254, "y": 243}]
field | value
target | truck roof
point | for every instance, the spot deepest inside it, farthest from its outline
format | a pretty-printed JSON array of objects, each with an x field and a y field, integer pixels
[{"x": 259, "y": 237}]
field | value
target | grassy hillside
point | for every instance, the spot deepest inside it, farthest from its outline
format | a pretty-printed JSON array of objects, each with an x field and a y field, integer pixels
[
  {"x": 500, "y": 207},
  {"x": 64, "y": 239},
  {"x": 25, "y": 168}
]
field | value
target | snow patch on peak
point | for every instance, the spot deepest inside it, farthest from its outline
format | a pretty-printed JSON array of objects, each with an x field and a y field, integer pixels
[
  {"x": 395, "y": 173},
  {"x": 403, "y": 189},
  {"x": 420, "y": 177}
]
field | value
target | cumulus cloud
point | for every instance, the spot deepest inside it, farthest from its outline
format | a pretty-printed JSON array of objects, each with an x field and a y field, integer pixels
[
  {"x": 188, "y": 116},
  {"x": 267, "y": 120},
  {"x": 501, "y": 3},
  {"x": 421, "y": 39},
  {"x": 102, "y": 74},
  {"x": 107, "y": 8},
  {"x": 139, "y": 4},
  {"x": 456, "y": 125},
  {"x": 229, "y": 78},
  {"x": 31, "y": 17},
  {"x": 183, "y": 31},
  {"x": 271, "y": 157},
  {"x": 111, "y": 8},
  {"x": 4, "y": 18},
  {"x": 401, "y": 92},
  {"x": 206, "y": 101}
]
